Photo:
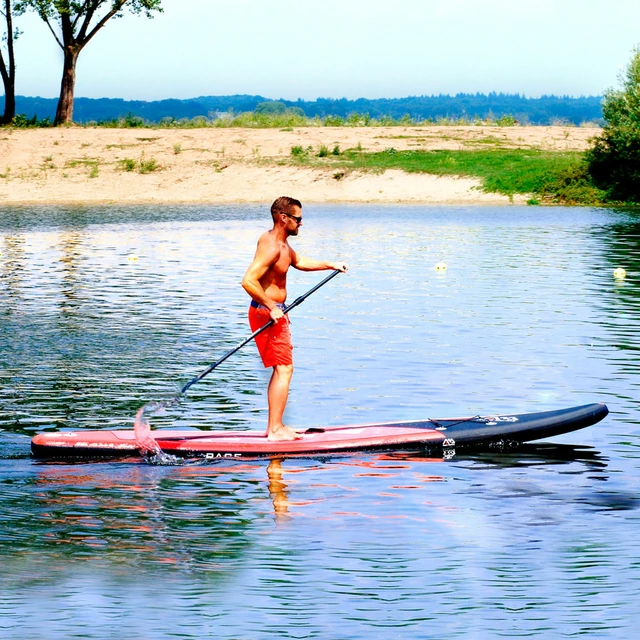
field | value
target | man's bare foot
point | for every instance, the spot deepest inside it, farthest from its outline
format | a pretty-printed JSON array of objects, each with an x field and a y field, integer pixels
[{"x": 275, "y": 434}]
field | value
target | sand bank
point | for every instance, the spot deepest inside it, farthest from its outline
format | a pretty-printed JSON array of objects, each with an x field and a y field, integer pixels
[{"x": 89, "y": 165}]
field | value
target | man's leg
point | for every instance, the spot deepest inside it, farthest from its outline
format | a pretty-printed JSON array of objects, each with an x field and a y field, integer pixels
[{"x": 278, "y": 394}]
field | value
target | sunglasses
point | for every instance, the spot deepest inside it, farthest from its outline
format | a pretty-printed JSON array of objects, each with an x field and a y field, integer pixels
[{"x": 298, "y": 219}]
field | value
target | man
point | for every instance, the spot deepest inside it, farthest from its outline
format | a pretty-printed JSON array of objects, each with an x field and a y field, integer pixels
[{"x": 266, "y": 283}]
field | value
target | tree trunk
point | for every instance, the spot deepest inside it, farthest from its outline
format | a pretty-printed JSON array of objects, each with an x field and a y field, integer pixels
[
  {"x": 64, "y": 112},
  {"x": 9, "y": 102},
  {"x": 8, "y": 72},
  {"x": 8, "y": 80}
]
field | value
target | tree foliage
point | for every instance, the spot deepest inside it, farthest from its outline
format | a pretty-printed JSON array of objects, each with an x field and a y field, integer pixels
[{"x": 614, "y": 160}]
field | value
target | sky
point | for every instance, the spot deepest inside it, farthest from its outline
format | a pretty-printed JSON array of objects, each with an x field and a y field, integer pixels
[{"x": 343, "y": 48}]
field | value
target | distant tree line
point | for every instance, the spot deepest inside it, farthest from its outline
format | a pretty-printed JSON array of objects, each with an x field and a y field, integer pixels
[{"x": 538, "y": 111}]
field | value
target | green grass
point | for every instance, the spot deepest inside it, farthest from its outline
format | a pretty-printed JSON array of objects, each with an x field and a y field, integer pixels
[
  {"x": 143, "y": 165},
  {"x": 548, "y": 177},
  {"x": 148, "y": 166},
  {"x": 91, "y": 164},
  {"x": 284, "y": 121},
  {"x": 506, "y": 171},
  {"x": 126, "y": 164}
]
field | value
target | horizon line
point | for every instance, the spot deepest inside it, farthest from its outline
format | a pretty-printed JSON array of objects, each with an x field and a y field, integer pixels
[{"x": 267, "y": 99}]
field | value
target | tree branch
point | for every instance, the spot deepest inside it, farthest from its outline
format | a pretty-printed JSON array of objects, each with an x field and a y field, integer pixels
[
  {"x": 75, "y": 22},
  {"x": 55, "y": 35},
  {"x": 3, "y": 71},
  {"x": 67, "y": 30},
  {"x": 105, "y": 19},
  {"x": 12, "y": 62},
  {"x": 85, "y": 25}
]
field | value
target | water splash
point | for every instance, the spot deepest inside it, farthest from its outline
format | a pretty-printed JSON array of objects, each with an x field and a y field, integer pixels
[{"x": 146, "y": 443}]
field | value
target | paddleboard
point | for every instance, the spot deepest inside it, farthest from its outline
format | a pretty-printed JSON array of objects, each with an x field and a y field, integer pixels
[{"x": 448, "y": 434}]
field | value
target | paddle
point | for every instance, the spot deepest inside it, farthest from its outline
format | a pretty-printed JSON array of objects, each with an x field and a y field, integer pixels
[
  {"x": 286, "y": 310},
  {"x": 141, "y": 424}
]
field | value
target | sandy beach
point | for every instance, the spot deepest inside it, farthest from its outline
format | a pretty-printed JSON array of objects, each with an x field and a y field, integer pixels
[{"x": 100, "y": 165}]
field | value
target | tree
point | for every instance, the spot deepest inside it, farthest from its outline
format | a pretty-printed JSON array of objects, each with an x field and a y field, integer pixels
[
  {"x": 8, "y": 68},
  {"x": 614, "y": 160},
  {"x": 78, "y": 21}
]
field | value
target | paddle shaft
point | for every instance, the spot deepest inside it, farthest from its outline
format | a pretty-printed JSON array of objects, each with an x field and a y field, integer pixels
[{"x": 257, "y": 332}]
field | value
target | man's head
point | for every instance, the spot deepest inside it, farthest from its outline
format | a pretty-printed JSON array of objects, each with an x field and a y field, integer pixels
[{"x": 288, "y": 212}]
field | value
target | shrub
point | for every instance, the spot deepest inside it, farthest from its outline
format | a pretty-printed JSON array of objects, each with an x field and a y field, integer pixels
[
  {"x": 358, "y": 119},
  {"x": 507, "y": 120},
  {"x": 614, "y": 159},
  {"x": 334, "y": 121},
  {"x": 147, "y": 166},
  {"x": 131, "y": 122},
  {"x": 21, "y": 121},
  {"x": 127, "y": 164},
  {"x": 572, "y": 185}
]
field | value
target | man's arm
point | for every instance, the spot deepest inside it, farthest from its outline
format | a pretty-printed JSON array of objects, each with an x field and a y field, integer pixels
[{"x": 307, "y": 264}]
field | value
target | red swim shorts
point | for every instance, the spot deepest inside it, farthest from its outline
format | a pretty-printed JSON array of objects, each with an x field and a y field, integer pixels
[{"x": 274, "y": 344}]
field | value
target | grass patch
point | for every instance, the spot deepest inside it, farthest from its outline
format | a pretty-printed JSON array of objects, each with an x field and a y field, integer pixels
[
  {"x": 89, "y": 163},
  {"x": 301, "y": 153},
  {"x": 286, "y": 119},
  {"x": 506, "y": 171},
  {"x": 550, "y": 177},
  {"x": 126, "y": 164},
  {"x": 148, "y": 166},
  {"x": 143, "y": 165},
  {"x": 121, "y": 146},
  {"x": 492, "y": 140},
  {"x": 214, "y": 164}
]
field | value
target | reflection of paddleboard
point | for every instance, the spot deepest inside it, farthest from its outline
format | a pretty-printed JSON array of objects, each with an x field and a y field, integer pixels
[{"x": 476, "y": 432}]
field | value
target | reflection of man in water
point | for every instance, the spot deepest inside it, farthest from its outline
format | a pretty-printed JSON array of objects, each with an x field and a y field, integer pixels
[
  {"x": 277, "y": 491},
  {"x": 266, "y": 283}
]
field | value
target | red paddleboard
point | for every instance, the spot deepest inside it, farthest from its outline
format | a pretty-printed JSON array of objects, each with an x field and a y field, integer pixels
[{"x": 474, "y": 432}]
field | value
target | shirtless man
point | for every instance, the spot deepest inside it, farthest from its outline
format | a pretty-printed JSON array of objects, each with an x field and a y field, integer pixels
[{"x": 266, "y": 283}]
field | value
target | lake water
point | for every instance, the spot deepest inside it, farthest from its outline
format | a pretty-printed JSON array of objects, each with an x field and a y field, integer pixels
[{"x": 105, "y": 309}]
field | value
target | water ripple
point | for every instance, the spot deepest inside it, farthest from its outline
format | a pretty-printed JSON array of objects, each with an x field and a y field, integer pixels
[{"x": 107, "y": 308}]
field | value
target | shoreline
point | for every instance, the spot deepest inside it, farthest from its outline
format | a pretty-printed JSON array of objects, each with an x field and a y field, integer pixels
[{"x": 87, "y": 166}]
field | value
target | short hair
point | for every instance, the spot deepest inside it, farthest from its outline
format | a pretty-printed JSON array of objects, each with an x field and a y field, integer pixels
[{"x": 283, "y": 204}]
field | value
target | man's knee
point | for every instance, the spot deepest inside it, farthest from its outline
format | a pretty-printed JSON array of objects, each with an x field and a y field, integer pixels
[{"x": 284, "y": 370}]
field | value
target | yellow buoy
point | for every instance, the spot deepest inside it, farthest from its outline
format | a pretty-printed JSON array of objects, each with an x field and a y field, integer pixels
[
  {"x": 441, "y": 266},
  {"x": 132, "y": 258},
  {"x": 619, "y": 273}
]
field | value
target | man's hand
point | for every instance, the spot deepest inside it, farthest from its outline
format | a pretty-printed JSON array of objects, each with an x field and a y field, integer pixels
[
  {"x": 340, "y": 266},
  {"x": 276, "y": 314}
]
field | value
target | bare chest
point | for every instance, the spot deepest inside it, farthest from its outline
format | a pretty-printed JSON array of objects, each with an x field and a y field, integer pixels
[{"x": 283, "y": 262}]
